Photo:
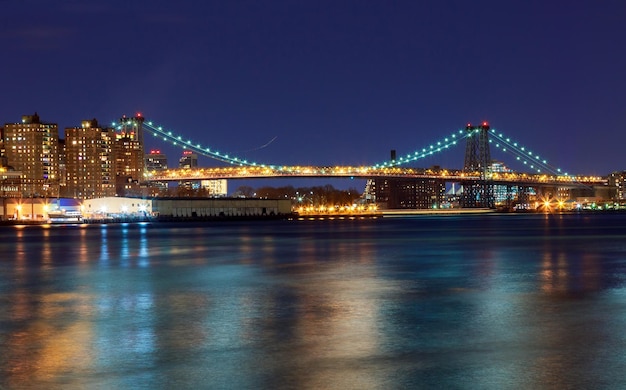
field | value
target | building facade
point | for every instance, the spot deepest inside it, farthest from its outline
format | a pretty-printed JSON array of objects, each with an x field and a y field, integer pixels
[
  {"x": 156, "y": 162},
  {"x": 617, "y": 181},
  {"x": 215, "y": 188},
  {"x": 397, "y": 193},
  {"x": 32, "y": 147},
  {"x": 89, "y": 161},
  {"x": 188, "y": 160},
  {"x": 129, "y": 155}
]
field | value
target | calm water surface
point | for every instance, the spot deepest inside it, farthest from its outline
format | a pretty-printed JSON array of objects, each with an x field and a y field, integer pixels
[{"x": 462, "y": 302}]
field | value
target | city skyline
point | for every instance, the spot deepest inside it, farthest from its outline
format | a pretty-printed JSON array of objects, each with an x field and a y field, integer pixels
[{"x": 328, "y": 83}]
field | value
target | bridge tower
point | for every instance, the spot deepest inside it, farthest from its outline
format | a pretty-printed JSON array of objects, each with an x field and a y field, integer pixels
[{"x": 478, "y": 193}]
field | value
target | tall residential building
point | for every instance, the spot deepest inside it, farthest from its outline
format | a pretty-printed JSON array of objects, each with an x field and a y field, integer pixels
[
  {"x": 129, "y": 154},
  {"x": 32, "y": 147},
  {"x": 188, "y": 160},
  {"x": 156, "y": 162},
  {"x": 617, "y": 181},
  {"x": 89, "y": 161}
]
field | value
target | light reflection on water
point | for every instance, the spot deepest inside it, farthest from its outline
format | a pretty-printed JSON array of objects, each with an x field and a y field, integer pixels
[{"x": 432, "y": 302}]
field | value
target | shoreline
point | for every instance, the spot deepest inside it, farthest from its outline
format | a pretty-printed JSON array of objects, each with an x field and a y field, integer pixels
[{"x": 296, "y": 216}]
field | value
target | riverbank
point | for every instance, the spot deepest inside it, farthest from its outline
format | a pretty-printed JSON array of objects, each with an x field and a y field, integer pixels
[{"x": 403, "y": 212}]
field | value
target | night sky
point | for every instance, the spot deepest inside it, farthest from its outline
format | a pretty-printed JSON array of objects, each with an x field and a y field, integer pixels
[{"x": 330, "y": 82}]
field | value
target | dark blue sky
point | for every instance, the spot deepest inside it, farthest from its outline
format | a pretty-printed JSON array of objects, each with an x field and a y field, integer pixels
[{"x": 336, "y": 82}]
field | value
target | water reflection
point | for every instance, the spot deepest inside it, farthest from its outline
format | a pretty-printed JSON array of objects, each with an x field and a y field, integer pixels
[{"x": 535, "y": 302}]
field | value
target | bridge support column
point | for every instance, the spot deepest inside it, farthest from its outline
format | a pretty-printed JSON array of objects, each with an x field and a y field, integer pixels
[{"x": 478, "y": 193}]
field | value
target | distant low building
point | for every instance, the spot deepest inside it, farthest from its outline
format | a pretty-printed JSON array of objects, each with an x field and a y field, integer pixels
[
  {"x": 398, "y": 193},
  {"x": 115, "y": 205},
  {"x": 215, "y": 188}
]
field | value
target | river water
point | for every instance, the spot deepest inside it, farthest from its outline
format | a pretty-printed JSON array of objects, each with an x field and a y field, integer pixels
[{"x": 461, "y": 302}]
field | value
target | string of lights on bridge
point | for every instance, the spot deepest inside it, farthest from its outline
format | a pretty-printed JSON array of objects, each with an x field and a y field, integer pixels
[
  {"x": 178, "y": 140},
  {"x": 520, "y": 152},
  {"x": 523, "y": 155},
  {"x": 504, "y": 144},
  {"x": 432, "y": 149}
]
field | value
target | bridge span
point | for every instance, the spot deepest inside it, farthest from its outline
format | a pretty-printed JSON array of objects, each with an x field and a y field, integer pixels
[{"x": 368, "y": 172}]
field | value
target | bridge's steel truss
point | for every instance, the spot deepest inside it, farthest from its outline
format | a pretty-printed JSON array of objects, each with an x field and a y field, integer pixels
[{"x": 478, "y": 193}]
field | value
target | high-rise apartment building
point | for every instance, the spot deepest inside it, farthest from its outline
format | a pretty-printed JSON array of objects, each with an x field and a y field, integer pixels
[
  {"x": 188, "y": 160},
  {"x": 89, "y": 161},
  {"x": 32, "y": 147},
  {"x": 129, "y": 154},
  {"x": 156, "y": 161},
  {"x": 617, "y": 181}
]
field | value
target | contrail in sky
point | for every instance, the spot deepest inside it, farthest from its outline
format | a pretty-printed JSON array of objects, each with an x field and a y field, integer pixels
[{"x": 260, "y": 147}]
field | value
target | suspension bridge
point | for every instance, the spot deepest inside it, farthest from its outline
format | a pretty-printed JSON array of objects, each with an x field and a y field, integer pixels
[{"x": 477, "y": 176}]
